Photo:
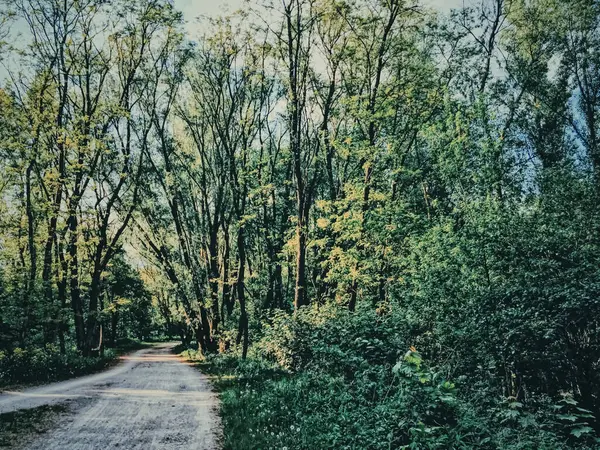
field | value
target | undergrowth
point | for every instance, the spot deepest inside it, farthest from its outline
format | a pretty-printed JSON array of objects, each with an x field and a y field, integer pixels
[
  {"x": 41, "y": 365},
  {"x": 325, "y": 379}
]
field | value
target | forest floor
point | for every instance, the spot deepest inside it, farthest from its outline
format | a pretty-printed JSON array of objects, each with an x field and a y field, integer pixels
[{"x": 153, "y": 400}]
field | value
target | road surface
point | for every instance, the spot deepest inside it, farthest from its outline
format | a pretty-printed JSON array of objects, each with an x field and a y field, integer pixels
[{"x": 153, "y": 400}]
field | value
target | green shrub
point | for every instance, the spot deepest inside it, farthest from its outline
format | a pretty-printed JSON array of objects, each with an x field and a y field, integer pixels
[
  {"x": 326, "y": 378},
  {"x": 44, "y": 364}
]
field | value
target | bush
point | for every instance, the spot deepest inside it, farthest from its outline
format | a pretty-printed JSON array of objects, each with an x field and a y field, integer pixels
[
  {"x": 38, "y": 365},
  {"x": 326, "y": 378}
]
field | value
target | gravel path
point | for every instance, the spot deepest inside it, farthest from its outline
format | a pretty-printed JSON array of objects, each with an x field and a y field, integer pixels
[{"x": 154, "y": 400}]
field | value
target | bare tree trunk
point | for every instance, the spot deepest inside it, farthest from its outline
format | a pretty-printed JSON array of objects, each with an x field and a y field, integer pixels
[
  {"x": 114, "y": 323},
  {"x": 76, "y": 302},
  {"x": 92, "y": 320},
  {"x": 61, "y": 284},
  {"x": 294, "y": 47},
  {"x": 300, "y": 292},
  {"x": 227, "y": 300},
  {"x": 51, "y": 239},
  {"x": 214, "y": 277},
  {"x": 241, "y": 293},
  {"x": 30, "y": 247}
]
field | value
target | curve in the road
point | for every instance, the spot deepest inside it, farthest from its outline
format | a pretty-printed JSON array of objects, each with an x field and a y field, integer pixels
[{"x": 154, "y": 400}]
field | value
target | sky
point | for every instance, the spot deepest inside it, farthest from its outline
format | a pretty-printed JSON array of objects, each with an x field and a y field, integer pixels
[{"x": 192, "y": 9}]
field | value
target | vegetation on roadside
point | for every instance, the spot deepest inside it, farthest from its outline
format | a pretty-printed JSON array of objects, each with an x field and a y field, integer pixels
[
  {"x": 21, "y": 367},
  {"x": 308, "y": 385},
  {"x": 17, "y": 428}
]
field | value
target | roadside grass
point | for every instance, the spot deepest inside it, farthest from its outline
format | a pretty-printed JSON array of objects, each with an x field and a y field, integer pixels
[
  {"x": 306, "y": 385},
  {"x": 24, "y": 368},
  {"x": 20, "y": 427},
  {"x": 253, "y": 412}
]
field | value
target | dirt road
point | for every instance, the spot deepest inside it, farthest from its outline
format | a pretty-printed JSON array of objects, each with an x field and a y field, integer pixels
[{"x": 154, "y": 400}]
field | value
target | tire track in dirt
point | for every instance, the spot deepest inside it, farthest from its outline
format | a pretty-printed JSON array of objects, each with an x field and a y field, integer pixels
[{"x": 155, "y": 400}]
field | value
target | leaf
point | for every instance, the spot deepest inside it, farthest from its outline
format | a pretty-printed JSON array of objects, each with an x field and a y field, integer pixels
[
  {"x": 569, "y": 417},
  {"x": 578, "y": 432},
  {"x": 569, "y": 400}
]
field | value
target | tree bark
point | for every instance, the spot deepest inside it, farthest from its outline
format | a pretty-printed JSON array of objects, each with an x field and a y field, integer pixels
[
  {"x": 241, "y": 293},
  {"x": 61, "y": 284},
  {"x": 214, "y": 277},
  {"x": 114, "y": 323},
  {"x": 76, "y": 302},
  {"x": 227, "y": 300}
]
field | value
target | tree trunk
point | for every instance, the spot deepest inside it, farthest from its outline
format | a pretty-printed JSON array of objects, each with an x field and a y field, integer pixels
[
  {"x": 227, "y": 300},
  {"x": 114, "y": 323},
  {"x": 92, "y": 319},
  {"x": 241, "y": 293},
  {"x": 51, "y": 240},
  {"x": 200, "y": 339},
  {"x": 30, "y": 289},
  {"x": 214, "y": 280},
  {"x": 76, "y": 302},
  {"x": 47, "y": 271},
  {"x": 209, "y": 342},
  {"x": 294, "y": 31},
  {"x": 61, "y": 284},
  {"x": 300, "y": 292}
]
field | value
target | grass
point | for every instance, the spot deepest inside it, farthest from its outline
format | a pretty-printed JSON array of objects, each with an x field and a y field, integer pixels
[
  {"x": 20, "y": 427},
  {"x": 265, "y": 407},
  {"x": 250, "y": 392}
]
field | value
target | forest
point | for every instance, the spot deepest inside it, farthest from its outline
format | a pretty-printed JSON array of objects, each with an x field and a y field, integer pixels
[{"x": 377, "y": 224}]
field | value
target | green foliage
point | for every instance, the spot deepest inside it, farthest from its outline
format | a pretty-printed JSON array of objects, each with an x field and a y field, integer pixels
[
  {"x": 397, "y": 209},
  {"x": 307, "y": 384},
  {"x": 22, "y": 366},
  {"x": 40, "y": 365},
  {"x": 129, "y": 300}
]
